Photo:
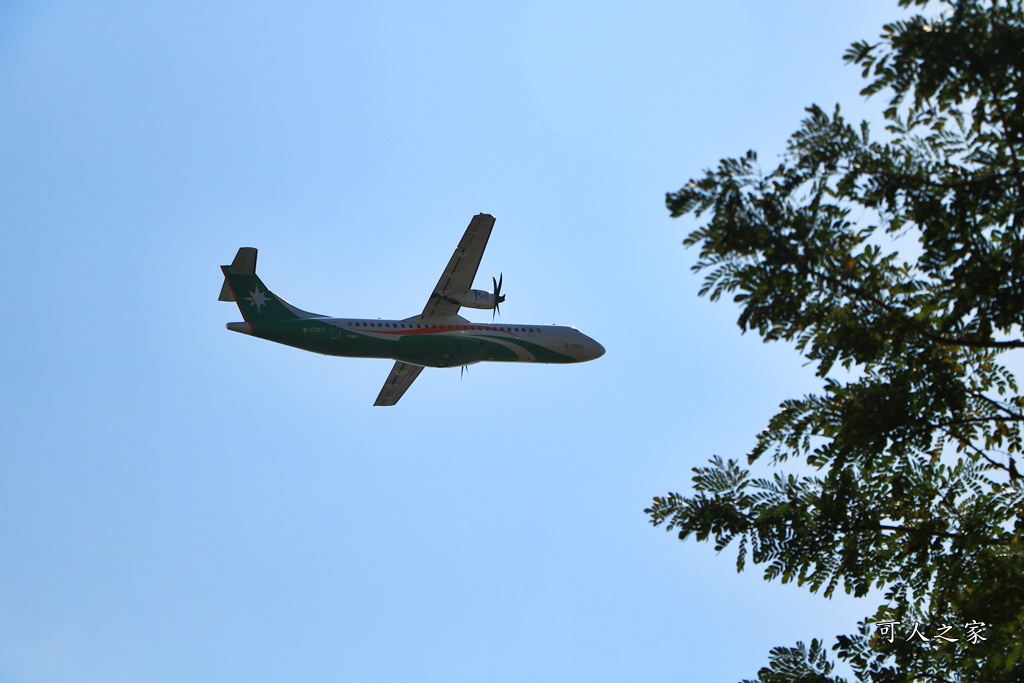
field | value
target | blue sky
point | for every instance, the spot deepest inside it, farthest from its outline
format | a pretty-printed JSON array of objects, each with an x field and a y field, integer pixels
[{"x": 178, "y": 502}]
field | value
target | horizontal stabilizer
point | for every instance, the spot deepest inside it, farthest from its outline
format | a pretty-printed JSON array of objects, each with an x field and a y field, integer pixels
[{"x": 244, "y": 264}]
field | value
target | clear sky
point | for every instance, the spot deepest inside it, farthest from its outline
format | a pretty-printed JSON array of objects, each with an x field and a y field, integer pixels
[{"x": 181, "y": 503}]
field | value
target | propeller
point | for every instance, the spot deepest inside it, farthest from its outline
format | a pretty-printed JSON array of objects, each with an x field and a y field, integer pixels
[
  {"x": 462, "y": 372},
  {"x": 498, "y": 298}
]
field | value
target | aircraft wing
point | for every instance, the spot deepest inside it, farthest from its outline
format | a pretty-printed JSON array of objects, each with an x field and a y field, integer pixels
[
  {"x": 461, "y": 270},
  {"x": 401, "y": 378}
]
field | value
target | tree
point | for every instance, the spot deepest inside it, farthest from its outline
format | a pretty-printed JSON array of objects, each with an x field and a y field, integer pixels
[{"x": 914, "y": 491}]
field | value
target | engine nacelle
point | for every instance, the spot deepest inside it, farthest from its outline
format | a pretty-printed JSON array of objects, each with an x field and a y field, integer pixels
[{"x": 474, "y": 298}]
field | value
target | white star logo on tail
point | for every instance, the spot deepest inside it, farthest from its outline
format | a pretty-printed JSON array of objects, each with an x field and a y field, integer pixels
[{"x": 257, "y": 298}]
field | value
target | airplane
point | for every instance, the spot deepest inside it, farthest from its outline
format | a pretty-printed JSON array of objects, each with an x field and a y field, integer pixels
[{"x": 437, "y": 338}]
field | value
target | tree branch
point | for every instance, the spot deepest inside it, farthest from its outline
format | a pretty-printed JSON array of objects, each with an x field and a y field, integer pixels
[
  {"x": 897, "y": 316},
  {"x": 1015, "y": 415}
]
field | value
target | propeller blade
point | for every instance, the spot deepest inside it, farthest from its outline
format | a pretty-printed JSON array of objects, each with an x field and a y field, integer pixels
[{"x": 498, "y": 298}]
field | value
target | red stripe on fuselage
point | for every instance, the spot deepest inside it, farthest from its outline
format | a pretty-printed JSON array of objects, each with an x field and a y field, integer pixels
[{"x": 440, "y": 329}]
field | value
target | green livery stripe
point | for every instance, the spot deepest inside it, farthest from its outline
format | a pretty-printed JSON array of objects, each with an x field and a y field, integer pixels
[{"x": 426, "y": 346}]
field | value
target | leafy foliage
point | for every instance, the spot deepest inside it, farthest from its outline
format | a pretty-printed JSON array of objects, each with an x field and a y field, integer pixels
[
  {"x": 808, "y": 665},
  {"x": 915, "y": 490}
]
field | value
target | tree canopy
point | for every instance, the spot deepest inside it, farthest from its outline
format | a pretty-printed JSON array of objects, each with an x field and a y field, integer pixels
[{"x": 894, "y": 262}]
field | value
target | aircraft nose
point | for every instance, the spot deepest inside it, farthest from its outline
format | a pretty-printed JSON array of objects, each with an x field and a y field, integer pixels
[{"x": 592, "y": 350}]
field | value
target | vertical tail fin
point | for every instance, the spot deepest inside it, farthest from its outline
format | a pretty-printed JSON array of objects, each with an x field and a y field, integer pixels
[{"x": 255, "y": 301}]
